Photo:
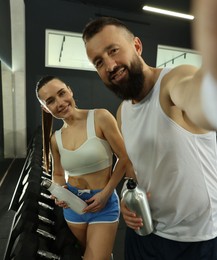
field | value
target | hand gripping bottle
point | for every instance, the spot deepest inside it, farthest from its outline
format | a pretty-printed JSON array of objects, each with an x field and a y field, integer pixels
[
  {"x": 73, "y": 201},
  {"x": 136, "y": 200}
]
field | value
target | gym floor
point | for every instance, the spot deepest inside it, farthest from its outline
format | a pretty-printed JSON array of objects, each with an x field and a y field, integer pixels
[{"x": 10, "y": 170}]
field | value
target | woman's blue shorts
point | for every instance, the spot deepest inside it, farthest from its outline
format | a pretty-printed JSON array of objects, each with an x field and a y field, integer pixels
[{"x": 109, "y": 214}]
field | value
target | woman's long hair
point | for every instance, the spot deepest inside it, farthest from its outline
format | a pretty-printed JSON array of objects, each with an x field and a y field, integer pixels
[{"x": 47, "y": 125}]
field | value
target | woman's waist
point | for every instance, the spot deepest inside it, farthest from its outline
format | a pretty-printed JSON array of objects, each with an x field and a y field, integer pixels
[{"x": 92, "y": 181}]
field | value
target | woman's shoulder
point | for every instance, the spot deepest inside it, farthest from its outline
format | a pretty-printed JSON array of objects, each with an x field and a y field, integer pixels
[
  {"x": 104, "y": 119},
  {"x": 102, "y": 113}
]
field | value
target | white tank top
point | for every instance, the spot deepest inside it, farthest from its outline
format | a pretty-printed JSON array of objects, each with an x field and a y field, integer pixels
[
  {"x": 93, "y": 155},
  {"x": 177, "y": 167}
]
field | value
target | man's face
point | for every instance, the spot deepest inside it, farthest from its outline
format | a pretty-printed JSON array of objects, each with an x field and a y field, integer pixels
[
  {"x": 131, "y": 86},
  {"x": 116, "y": 56}
]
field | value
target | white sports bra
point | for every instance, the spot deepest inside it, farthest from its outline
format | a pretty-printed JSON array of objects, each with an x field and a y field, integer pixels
[{"x": 93, "y": 155}]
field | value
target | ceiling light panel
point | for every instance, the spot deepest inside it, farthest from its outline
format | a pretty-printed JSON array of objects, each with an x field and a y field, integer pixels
[{"x": 167, "y": 12}]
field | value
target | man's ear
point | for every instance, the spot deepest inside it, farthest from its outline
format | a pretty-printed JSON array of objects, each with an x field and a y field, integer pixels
[{"x": 138, "y": 45}]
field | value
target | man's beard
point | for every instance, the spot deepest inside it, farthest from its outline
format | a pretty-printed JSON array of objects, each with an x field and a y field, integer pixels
[{"x": 133, "y": 86}]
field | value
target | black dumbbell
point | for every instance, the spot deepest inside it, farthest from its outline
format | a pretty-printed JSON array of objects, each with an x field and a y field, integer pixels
[{"x": 24, "y": 247}]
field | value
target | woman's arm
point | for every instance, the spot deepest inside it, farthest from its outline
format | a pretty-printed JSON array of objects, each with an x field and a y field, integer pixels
[
  {"x": 108, "y": 125},
  {"x": 113, "y": 136},
  {"x": 58, "y": 175}
]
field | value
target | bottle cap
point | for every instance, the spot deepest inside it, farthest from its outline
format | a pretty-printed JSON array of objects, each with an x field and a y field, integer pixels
[
  {"x": 131, "y": 184},
  {"x": 46, "y": 183}
]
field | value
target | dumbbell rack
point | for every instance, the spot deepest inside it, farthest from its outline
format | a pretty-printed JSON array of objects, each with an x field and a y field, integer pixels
[{"x": 38, "y": 229}]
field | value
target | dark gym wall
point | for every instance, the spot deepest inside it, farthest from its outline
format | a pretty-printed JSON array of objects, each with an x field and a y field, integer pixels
[{"x": 89, "y": 91}]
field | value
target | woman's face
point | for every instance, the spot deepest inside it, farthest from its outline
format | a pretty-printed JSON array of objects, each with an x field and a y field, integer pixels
[{"x": 56, "y": 98}]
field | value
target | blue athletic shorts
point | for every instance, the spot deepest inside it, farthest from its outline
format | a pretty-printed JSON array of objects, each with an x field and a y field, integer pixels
[{"x": 109, "y": 214}]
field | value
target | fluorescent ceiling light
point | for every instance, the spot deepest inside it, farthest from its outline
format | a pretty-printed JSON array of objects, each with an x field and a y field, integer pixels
[{"x": 167, "y": 12}]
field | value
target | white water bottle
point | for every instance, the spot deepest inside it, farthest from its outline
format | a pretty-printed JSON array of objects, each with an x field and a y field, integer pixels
[
  {"x": 136, "y": 200},
  {"x": 73, "y": 201}
]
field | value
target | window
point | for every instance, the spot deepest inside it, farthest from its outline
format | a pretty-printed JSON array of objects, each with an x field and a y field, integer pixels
[
  {"x": 66, "y": 50},
  {"x": 168, "y": 56}
]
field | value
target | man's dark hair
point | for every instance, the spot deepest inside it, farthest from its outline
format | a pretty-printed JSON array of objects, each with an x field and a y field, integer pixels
[{"x": 95, "y": 26}]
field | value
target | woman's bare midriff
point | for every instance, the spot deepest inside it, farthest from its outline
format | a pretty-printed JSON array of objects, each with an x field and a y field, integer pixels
[{"x": 92, "y": 181}]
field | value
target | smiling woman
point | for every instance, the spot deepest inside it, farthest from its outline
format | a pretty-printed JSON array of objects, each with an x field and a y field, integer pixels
[{"x": 82, "y": 161}]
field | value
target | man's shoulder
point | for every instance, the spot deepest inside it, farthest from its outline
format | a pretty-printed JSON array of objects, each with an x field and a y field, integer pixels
[
  {"x": 118, "y": 115},
  {"x": 180, "y": 71},
  {"x": 176, "y": 75}
]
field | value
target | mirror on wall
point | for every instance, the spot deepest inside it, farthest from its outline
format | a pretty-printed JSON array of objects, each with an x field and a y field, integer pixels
[
  {"x": 66, "y": 50},
  {"x": 168, "y": 56}
]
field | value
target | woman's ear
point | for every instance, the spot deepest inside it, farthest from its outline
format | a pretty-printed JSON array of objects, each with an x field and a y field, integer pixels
[
  {"x": 70, "y": 90},
  {"x": 45, "y": 109},
  {"x": 138, "y": 45}
]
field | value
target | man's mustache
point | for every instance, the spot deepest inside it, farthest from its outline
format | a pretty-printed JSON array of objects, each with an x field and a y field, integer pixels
[{"x": 116, "y": 69}]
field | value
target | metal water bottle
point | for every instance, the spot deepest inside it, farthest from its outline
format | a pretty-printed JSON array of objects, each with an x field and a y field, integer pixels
[
  {"x": 136, "y": 200},
  {"x": 73, "y": 201}
]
